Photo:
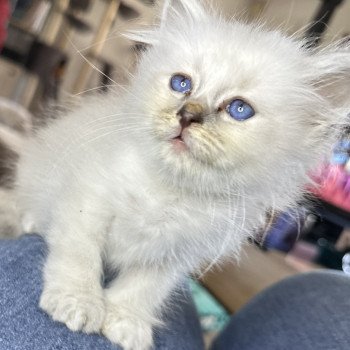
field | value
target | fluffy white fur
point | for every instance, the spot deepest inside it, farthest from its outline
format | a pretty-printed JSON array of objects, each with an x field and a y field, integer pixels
[{"x": 106, "y": 184}]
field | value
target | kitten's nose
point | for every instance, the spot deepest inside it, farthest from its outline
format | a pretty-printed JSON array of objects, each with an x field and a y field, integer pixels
[{"x": 191, "y": 112}]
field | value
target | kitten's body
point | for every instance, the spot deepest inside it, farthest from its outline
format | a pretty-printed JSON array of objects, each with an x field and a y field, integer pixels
[
  {"x": 145, "y": 219},
  {"x": 111, "y": 182},
  {"x": 89, "y": 201}
]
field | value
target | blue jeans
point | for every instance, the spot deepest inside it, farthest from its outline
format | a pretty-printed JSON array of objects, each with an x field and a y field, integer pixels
[
  {"x": 23, "y": 326},
  {"x": 305, "y": 312}
]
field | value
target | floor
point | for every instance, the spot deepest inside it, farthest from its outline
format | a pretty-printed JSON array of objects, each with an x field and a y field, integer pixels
[{"x": 235, "y": 283}]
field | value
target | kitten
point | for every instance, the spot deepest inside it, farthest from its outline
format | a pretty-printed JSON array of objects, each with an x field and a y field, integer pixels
[{"x": 221, "y": 122}]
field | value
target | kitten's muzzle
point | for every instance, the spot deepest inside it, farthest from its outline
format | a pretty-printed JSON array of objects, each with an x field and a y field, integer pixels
[{"x": 191, "y": 112}]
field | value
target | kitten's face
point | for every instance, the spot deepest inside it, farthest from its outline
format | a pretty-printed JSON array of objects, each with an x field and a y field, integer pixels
[
  {"x": 250, "y": 111},
  {"x": 215, "y": 73}
]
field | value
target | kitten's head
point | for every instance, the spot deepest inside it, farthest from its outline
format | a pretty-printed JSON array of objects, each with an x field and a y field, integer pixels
[{"x": 231, "y": 103}]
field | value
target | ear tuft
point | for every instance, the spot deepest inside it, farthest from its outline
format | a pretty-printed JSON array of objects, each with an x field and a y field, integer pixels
[
  {"x": 147, "y": 36},
  {"x": 331, "y": 70},
  {"x": 173, "y": 10}
]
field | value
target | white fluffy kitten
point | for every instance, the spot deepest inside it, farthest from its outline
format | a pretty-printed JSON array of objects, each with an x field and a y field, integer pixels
[{"x": 221, "y": 122}]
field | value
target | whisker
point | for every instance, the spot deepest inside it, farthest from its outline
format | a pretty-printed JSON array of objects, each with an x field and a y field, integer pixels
[
  {"x": 110, "y": 37},
  {"x": 93, "y": 89},
  {"x": 90, "y": 63},
  {"x": 98, "y": 70}
]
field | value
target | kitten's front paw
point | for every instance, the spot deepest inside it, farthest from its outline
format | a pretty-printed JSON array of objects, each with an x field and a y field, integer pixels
[
  {"x": 127, "y": 331},
  {"x": 83, "y": 311}
]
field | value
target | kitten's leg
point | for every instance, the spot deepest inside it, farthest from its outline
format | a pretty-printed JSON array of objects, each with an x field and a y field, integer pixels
[
  {"x": 132, "y": 304},
  {"x": 72, "y": 291}
]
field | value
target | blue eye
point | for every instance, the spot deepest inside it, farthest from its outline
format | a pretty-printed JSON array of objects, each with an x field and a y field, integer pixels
[
  {"x": 181, "y": 83},
  {"x": 240, "y": 110}
]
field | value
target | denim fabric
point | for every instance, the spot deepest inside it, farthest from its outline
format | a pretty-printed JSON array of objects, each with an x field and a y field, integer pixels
[
  {"x": 306, "y": 312},
  {"x": 23, "y": 326}
]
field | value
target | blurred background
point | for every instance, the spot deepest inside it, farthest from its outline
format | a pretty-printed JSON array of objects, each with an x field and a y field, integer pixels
[
  {"x": 50, "y": 48},
  {"x": 55, "y": 52}
]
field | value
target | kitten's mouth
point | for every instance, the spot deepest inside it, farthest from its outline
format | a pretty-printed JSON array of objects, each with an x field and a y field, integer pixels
[{"x": 179, "y": 143}]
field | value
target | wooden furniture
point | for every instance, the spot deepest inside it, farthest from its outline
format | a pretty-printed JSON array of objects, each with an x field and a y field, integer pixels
[
  {"x": 235, "y": 283},
  {"x": 108, "y": 18},
  {"x": 17, "y": 84}
]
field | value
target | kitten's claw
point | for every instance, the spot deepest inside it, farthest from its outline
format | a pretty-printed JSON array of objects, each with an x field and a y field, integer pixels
[
  {"x": 128, "y": 332},
  {"x": 79, "y": 311}
]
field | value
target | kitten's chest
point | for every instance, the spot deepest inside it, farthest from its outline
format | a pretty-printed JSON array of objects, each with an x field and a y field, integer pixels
[
  {"x": 156, "y": 217},
  {"x": 155, "y": 229}
]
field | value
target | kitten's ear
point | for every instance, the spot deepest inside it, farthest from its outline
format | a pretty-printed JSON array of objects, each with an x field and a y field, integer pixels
[
  {"x": 331, "y": 70},
  {"x": 175, "y": 10},
  {"x": 173, "y": 14},
  {"x": 146, "y": 36}
]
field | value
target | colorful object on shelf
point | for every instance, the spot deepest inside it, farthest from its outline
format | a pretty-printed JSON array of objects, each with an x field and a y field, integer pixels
[
  {"x": 333, "y": 179},
  {"x": 213, "y": 317},
  {"x": 341, "y": 152},
  {"x": 333, "y": 185},
  {"x": 285, "y": 230}
]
